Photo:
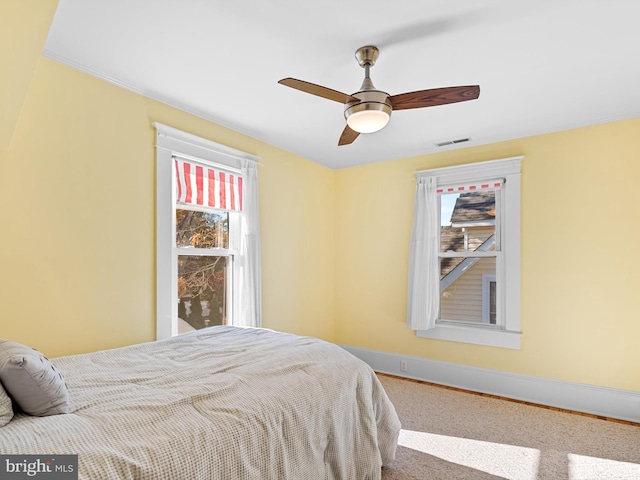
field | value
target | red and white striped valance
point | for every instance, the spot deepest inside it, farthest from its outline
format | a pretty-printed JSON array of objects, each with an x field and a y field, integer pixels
[
  {"x": 204, "y": 186},
  {"x": 472, "y": 187}
]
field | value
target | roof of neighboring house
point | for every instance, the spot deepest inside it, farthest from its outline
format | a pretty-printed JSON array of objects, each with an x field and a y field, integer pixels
[
  {"x": 475, "y": 207},
  {"x": 451, "y": 238}
]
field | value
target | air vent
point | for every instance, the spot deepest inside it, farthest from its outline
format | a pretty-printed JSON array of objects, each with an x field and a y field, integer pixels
[{"x": 452, "y": 142}]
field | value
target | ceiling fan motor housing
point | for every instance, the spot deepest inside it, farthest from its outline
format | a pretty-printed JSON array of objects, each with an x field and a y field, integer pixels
[{"x": 374, "y": 104}]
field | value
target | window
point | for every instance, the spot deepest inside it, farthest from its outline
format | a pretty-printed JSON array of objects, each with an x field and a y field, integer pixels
[
  {"x": 205, "y": 262},
  {"x": 465, "y": 254},
  {"x": 207, "y": 214}
]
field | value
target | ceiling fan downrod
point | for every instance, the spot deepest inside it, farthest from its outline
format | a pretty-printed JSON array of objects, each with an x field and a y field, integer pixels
[{"x": 367, "y": 57}]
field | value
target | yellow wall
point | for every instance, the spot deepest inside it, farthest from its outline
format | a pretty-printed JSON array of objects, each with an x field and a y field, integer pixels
[
  {"x": 77, "y": 248},
  {"x": 23, "y": 30},
  {"x": 580, "y": 264}
]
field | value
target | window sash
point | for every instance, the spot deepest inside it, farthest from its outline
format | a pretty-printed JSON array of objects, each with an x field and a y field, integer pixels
[
  {"x": 499, "y": 207},
  {"x": 205, "y": 252},
  {"x": 469, "y": 254},
  {"x": 479, "y": 320},
  {"x": 231, "y": 292}
]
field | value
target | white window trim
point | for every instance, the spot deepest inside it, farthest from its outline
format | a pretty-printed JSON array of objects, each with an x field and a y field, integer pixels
[
  {"x": 169, "y": 142},
  {"x": 509, "y": 295}
]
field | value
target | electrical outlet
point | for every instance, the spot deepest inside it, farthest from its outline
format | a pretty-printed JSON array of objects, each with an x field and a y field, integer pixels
[{"x": 403, "y": 365}]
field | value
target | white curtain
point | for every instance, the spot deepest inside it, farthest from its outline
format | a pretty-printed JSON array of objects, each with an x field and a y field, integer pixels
[
  {"x": 424, "y": 282},
  {"x": 249, "y": 269}
]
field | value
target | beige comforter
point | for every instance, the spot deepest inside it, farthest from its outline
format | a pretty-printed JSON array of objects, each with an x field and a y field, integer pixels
[{"x": 219, "y": 403}]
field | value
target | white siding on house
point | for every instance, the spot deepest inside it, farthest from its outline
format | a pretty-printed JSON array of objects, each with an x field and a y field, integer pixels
[
  {"x": 462, "y": 300},
  {"x": 478, "y": 235}
]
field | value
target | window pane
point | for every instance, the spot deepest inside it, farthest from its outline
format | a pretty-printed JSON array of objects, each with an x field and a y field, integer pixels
[
  {"x": 202, "y": 291},
  {"x": 447, "y": 202},
  {"x": 461, "y": 287},
  {"x": 471, "y": 221},
  {"x": 202, "y": 229},
  {"x": 492, "y": 303}
]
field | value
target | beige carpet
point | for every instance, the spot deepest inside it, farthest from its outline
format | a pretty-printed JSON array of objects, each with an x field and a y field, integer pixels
[{"x": 452, "y": 435}]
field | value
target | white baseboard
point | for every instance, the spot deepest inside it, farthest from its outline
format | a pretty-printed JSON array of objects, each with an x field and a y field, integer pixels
[{"x": 602, "y": 401}]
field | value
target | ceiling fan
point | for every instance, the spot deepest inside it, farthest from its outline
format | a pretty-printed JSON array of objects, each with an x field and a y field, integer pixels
[{"x": 368, "y": 110}]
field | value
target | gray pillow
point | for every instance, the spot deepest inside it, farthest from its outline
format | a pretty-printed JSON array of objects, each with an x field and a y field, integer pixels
[
  {"x": 33, "y": 382},
  {"x": 6, "y": 410}
]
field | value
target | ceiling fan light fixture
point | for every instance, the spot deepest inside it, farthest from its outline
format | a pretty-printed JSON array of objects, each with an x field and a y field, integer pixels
[
  {"x": 368, "y": 117},
  {"x": 368, "y": 121}
]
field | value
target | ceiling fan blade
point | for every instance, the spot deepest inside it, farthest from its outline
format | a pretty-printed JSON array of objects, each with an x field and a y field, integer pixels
[
  {"x": 348, "y": 136},
  {"x": 434, "y": 97},
  {"x": 318, "y": 90}
]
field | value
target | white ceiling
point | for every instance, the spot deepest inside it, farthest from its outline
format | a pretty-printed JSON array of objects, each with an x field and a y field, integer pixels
[{"x": 542, "y": 65}]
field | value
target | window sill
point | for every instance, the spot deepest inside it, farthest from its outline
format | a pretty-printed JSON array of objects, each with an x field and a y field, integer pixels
[{"x": 475, "y": 335}]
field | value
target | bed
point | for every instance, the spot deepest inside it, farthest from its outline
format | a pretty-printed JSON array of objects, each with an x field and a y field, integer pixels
[{"x": 219, "y": 403}]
